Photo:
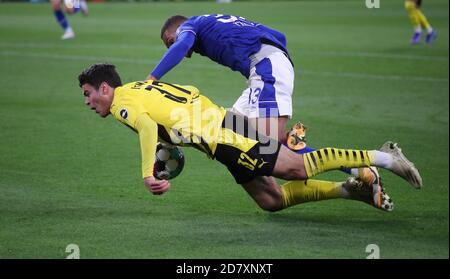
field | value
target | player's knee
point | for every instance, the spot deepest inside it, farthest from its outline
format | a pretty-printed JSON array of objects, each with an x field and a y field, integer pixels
[
  {"x": 271, "y": 205},
  {"x": 293, "y": 172},
  {"x": 68, "y": 10},
  {"x": 289, "y": 165},
  {"x": 298, "y": 174}
]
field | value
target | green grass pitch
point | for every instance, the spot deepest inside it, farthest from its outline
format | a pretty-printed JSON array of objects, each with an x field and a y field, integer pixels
[{"x": 67, "y": 176}]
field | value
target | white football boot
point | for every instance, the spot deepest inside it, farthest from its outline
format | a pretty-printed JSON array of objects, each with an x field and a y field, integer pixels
[
  {"x": 401, "y": 165},
  {"x": 68, "y": 34}
]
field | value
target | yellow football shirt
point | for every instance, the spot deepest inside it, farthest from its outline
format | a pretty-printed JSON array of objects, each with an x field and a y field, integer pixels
[{"x": 171, "y": 113}]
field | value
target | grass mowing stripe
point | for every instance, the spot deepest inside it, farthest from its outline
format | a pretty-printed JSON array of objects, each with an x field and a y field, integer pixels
[
  {"x": 161, "y": 47},
  {"x": 203, "y": 66}
]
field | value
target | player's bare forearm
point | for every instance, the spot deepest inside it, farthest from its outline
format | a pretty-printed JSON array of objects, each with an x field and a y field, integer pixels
[{"x": 156, "y": 187}]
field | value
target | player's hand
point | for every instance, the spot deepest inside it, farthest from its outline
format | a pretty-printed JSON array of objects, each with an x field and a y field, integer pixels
[
  {"x": 156, "y": 187},
  {"x": 150, "y": 77}
]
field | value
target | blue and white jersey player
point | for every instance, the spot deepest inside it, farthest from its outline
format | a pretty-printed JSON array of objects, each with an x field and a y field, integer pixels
[{"x": 256, "y": 51}]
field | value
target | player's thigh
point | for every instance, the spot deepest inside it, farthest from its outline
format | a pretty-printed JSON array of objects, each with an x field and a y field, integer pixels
[
  {"x": 245, "y": 164},
  {"x": 70, "y": 5},
  {"x": 277, "y": 74},
  {"x": 289, "y": 165},
  {"x": 243, "y": 151},
  {"x": 270, "y": 88},
  {"x": 56, "y": 4},
  {"x": 265, "y": 191},
  {"x": 274, "y": 127}
]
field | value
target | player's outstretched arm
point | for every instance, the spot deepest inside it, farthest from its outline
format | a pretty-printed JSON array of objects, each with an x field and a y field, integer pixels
[
  {"x": 148, "y": 136},
  {"x": 148, "y": 139},
  {"x": 174, "y": 55}
]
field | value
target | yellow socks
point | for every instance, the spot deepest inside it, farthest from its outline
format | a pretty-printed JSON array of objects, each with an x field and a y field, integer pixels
[
  {"x": 423, "y": 20},
  {"x": 301, "y": 191},
  {"x": 326, "y": 159}
]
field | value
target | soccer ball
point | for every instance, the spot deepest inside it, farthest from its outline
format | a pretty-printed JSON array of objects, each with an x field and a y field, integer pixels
[{"x": 169, "y": 162}]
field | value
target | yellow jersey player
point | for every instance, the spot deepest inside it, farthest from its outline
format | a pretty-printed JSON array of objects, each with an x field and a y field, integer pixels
[
  {"x": 180, "y": 115},
  {"x": 419, "y": 21},
  {"x": 260, "y": 54}
]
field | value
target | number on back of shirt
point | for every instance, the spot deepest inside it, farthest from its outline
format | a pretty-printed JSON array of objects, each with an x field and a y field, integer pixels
[{"x": 236, "y": 20}]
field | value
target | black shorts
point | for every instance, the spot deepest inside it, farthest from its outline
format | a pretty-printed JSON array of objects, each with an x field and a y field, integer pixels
[{"x": 245, "y": 164}]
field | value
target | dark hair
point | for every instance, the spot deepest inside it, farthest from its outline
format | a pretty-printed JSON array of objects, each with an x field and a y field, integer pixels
[
  {"x": 171, "y": 21},
  {"x": 98, "y": 73}
]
